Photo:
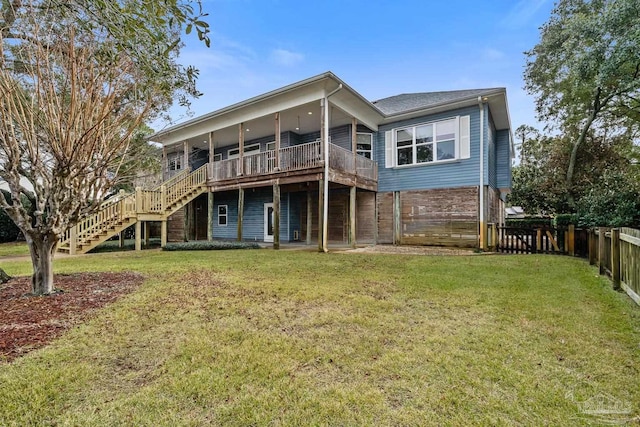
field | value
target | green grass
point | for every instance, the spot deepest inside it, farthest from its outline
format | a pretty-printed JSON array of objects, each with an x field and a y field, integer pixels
[
  {"x": 13, "y": 249},
  {"x": 300, "y": 338}
]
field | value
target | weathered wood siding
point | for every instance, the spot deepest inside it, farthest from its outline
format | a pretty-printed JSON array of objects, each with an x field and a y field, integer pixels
[
  {"x": 384, "y": 203},
  {"x": 494, "y": 206},
  {"x": 365, "y": 216},
  {"x": 338, "y": 216},
  {"x": 447, "y": 217},
  {"x": 175, "y": 226}
]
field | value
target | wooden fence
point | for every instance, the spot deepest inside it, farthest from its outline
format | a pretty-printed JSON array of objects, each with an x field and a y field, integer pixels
[
  {"x": 616, "y": 251},
  {"x": 540, "y": 240}
]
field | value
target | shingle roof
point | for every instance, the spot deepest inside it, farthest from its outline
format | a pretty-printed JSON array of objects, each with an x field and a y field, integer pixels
[{"x": 415, "y": 101}]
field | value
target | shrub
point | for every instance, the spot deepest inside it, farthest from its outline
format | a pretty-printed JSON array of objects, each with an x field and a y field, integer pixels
[
  {"x": 205, "y": 245},
  {"x": 564, "y": 220}
]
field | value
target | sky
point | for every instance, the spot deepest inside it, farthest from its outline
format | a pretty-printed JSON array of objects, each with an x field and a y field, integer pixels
[{"x": 379, "y": 48}]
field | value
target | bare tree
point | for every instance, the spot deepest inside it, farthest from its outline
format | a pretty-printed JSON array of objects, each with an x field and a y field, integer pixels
[{"x": 73, "y": 88}]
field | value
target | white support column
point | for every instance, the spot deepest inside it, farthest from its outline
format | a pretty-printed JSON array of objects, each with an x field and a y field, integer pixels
[
  {"x": 165, "y": 163},
  {"x": 325, "y": 143},
  {"x": 241, "y": 148},
  {"x": 211, "y": 148},
  {"x": 277, "y": 131},
  {"x": 185, "y": 147}
]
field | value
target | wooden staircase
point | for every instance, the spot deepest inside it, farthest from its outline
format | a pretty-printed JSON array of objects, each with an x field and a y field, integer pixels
[{"x": 123, "y": 210}]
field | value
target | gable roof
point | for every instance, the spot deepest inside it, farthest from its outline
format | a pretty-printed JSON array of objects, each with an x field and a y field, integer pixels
[{"x": 407, "y": 102}]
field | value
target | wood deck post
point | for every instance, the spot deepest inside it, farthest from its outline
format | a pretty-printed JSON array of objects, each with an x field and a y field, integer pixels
[
  {"x": 354, "y": 142},
  {"x": 571, "y": 240},
  {"x": 397, "y": 219},
  {"x": 188, "y": 221},
  {"x": 163, "y": 233},
  {"x": 601, "y": 242},
  {"x": 352, "y": 216},
  {"x": 165, "y": 163},
  {"x": 121, "y": 239},
  {"x": 276, "y": 215},
  {"x": 615, "y": 258},
  {"x": 277, "y": 149},
  {"x": 185, "y": 147},
  {"x": 210, "y": 215},
  {"x": 138, "y": 235},
  {"x": 73, "y": 240},
  {"x": 146, "y": 234},
  {"x": 309, "y": 216},
  {"x": 212, "y": 150},
  {"x": 538, "y": 247},
  {"x": 320, "y": 213},
  {"x": 240, "y": 212}
]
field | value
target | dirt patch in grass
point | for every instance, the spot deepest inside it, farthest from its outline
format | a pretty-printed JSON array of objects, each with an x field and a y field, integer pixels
[
  {"x": 28, "y": 322},
  {"x": 414, "y": 250}
]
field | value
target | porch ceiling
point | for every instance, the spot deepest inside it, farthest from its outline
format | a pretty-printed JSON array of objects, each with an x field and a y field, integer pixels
[{"x": 301, "y": 120}]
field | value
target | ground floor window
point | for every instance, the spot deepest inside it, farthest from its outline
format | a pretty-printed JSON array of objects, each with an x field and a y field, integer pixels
[{"x": 222, "y": 215}]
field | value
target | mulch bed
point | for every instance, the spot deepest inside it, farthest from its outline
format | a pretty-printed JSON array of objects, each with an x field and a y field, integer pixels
[{"x": 28, "y": 322}]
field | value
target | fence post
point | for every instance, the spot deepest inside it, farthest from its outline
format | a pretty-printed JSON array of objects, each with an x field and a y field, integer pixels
[
  {"x": 538, "y": 247},
  {"x": 571, "y": 238},
  {"x": 494, "y": 237},
  {"x": 615, "y": 258},
  {"x": 592, "y": 246},
  {"x": 601, "y": 242}
]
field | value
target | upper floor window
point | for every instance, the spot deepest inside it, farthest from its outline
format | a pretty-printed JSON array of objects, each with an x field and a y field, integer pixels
[
  {"x": 428, "y": 142},
  {"x": 364, "y": 144}
]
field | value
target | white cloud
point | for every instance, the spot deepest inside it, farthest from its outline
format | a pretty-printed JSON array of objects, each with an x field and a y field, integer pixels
[
  {"x": 492, "y": 54},
  {"x": 285, "y": 57},
  {"x": 521, "y": 14}
]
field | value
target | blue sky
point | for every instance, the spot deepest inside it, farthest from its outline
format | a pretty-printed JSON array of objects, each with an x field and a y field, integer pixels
[{"x": 380, "y": 48}]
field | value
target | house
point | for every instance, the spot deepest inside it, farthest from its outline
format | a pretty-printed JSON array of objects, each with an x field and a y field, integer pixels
[{"x": 317, "y": 163}]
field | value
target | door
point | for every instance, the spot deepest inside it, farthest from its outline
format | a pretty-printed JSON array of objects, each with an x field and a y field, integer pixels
[{"x": 268, "y": 222}]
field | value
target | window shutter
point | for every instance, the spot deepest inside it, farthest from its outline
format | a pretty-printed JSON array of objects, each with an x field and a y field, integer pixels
[
  {"x": 465, "y": 137},
  {"x": 389, "y": 158}
]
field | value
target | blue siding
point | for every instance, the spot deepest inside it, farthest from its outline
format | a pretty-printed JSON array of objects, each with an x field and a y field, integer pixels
[
  {"x": 444, "y": 175},
  {"x": 253, "y": 219},
  {"x": 491, "y": 154},
  {"x": 340, "y": 135},
  {"x": 295, "y": 203},
  {"x": 503, "y": 159}
]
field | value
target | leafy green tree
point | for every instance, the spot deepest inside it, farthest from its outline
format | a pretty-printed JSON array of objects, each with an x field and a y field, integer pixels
[
  {"x": 77, "y": 79},
  {"x": 585, "y": 72},
  {"x": 606, "y": 179}
]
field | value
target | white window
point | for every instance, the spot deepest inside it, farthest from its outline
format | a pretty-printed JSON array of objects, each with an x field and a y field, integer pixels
[
  {"x": 222, "y": 215},
  {"x": 271, "y": 146},
  {"x": 175, "y": 162},
  {"x": 217, "y": 157},
  {"x": 251, "y": 149},
  {"x": 234, "y": 153},
  {"x": 428, "y": 143},
  {"x": 364, "y": 144}
]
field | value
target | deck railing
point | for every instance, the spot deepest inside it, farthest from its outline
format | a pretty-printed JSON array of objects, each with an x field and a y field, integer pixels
[
  {"x": 344, "y": 160},
  {"x": 295, "y": 157}
]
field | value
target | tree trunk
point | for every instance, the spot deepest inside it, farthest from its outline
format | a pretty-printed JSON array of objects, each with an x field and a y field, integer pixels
[
  {"x": 42, "y": 248},
  {"x": 572, "y": 160}
]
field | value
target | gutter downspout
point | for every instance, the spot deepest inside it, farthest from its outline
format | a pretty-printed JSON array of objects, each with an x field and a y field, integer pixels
[
  {"x": 482, "y": 236},
  {"x": 325, "y": 213}
]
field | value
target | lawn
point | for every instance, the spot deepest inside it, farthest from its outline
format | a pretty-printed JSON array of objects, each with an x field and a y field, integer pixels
[
  {"x": 269, "y": 337},
  {"x": 13, "y": 249}
]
